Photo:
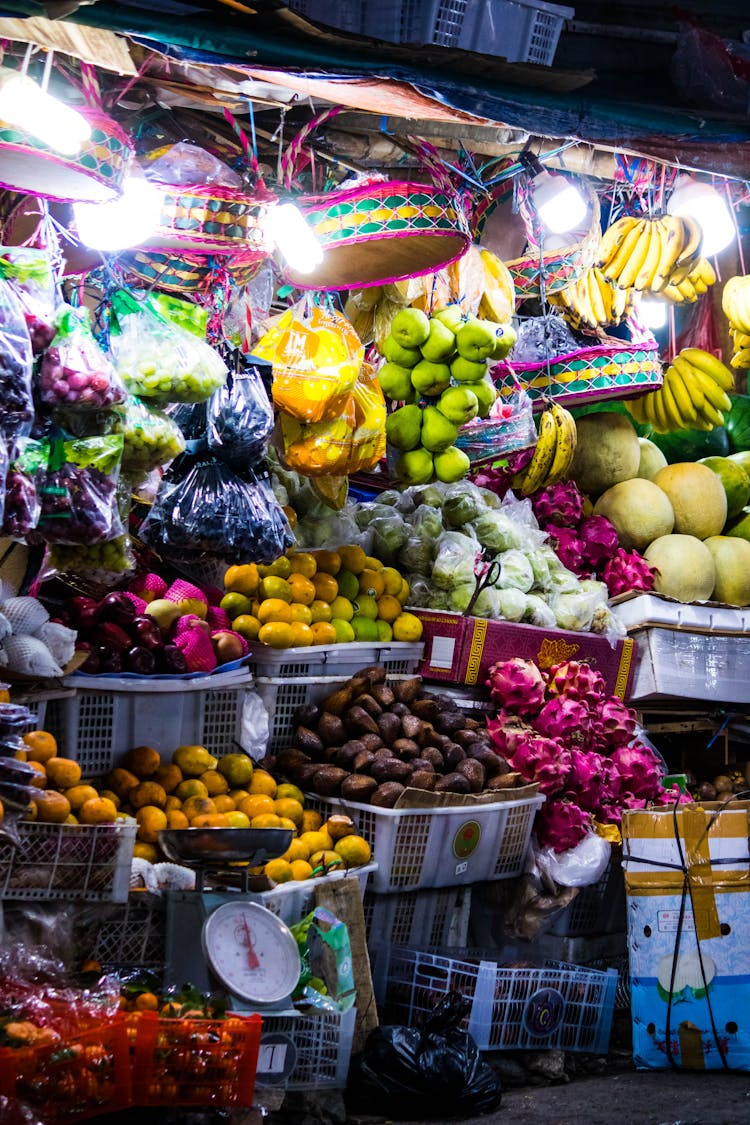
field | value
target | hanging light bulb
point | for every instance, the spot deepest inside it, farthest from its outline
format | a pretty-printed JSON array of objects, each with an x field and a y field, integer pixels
[
  {"x": 30, "y": 107},
  {"x": 289, "y": 230},
  {"x": 558, "y": 202},
  {"x": 653, "y": 313},
  {"x": 127, "y": 221},
  {"x": 703, "y": 203}
]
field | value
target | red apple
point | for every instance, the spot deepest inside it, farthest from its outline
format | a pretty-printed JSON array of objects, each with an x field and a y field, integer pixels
[
  {"x": 83, "y": 611},
  {"x": 115, "y": 607},
  {"x": 141, "y": 661},
  {"x": 227, "y": 646},
  {"x": 111, "y": 637},
  {"x": 145, "y": 631},
  {"x": 172, "y": 660}
]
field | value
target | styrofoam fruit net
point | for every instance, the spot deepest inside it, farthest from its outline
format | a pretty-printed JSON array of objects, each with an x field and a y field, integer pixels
[
  {"x": 25, "y": 614},
  {"x": 181, "y": 591},
  {"x": 30, "y": 656},
  {"x": 59, "y": 639}
]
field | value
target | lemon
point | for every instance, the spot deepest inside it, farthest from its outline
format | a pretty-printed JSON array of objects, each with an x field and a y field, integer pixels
[
  {"x": 278, "y": 871},
  {"x": 247, "y": 626},
  {"x": 321, "y": 611},
  {"x": 392, "y": 580},
  {"x": 343, "y": 630},
  {"x": 366, "y": 606},
  {"x": 342, "y": 608},
  {"x": 365, "y": 629},
  {"x": 407, "y": 627},
  {"x": 301, "y": 614},
  {"x": 348, "y": 584},
  {"x": 385, "y": 632},
  {"x": 287, "y": 791},
  {"x": 274, "y": 587},
  {"x": 236, "y": 605}
]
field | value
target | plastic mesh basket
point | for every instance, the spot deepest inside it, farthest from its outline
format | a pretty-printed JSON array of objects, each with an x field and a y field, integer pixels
[
  {"x": 133, "y": 935},
  {"x": 556, "y": 1005},
  {"x": 306, "y": 1052},
  {"x": 69, "y": 861},
  {"x": 326, "y": 661},
  {"x": 425, "y": 919},
  {"x": 596, "y": 909}
]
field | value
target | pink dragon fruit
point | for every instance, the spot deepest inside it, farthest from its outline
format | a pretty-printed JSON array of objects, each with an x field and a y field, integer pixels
[
  {"x": 611, "y": 813},
  {"x": 506, "y": 732},
  {"x": 576, "y": 680},
  {"x": 672, "y": 795},
  {"x": 585, "y": 782},
  {"x": 615, "y": 724},
  {"x": 639, "y": 771},
  {"x": 569, "y": 549},
  {"x": 517, "y": 686},
  {"x": 543, "y": 760},
  {"x": 564, "y": 718},
  {"x": 560, "y": 504},
  {"x": 627, "y": 570},
  {"x": 561, "y": 825},
  {"x": 599, "y": 540}
]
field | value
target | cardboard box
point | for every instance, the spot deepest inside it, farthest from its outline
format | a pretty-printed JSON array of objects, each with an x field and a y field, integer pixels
[
  {"x": 688, "y": 907},
  {"x": 463, "y": 649},
  {"x": 711, "y": 666}
]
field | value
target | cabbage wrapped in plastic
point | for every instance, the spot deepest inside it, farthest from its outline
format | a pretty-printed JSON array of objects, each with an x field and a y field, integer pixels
[
  {"x": 540, "y": 567},
  {"x": 427, "y": 522},
  {"x": 511, "y": 604},
  {"x": 563, "y": 581},
  {"x": 389, "y": 533},
  {"x": 420, "y": 591},
  {"x": 497, "y": 531},
  {"x": 430, "y": 494},
  {"x": 440, "y": 599},
  {"x": 538, "y": 612},
  {"x": 608, "y": 624},
  {"x": 463, "y": 503},
  {"x": 574, "y": 611},
  {"x": 486, "y": 605},
  {"x": 456, "y": 560},
  {"x": 597, "y": 589},
  {"x": 515, "y": 570},
  {"x": 392, "y": 498},
  {"x": 366, "y": 513},
  {"x": 417, "y": 555}
]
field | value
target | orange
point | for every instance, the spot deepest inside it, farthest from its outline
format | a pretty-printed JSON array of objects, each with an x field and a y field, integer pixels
[
  {"x": 151, "y": 821},
  {"x": 298, "y": 849},
  {"x": 325, "y": 861},
  {"x": 321, "y": 611},
  {"x": 97, "y": 811},
  {"x": 214, "y": 782},
  {"x": 247, "y": 626},
  {"x": 342, "y": 608},
  {"x": 21, "y": 755},
  {"x": 281, "y": 568},
  {"x": 147, "y": 793},
  {"x": 40, "y": 780},
  {"x": 328, "y": 561},
  {"x": 168, "y": 776},
  {"x": 235, "y": 605},
  {"x": 242, "y": 579},
  {"x": 193, "y": 787},
  {"x": 290, "y": 514},
  {"x": 209, "y": 820},
  {"x": 354, "y": 850},
  {"x": 278, "y": 871},
  {"x": 142, "y": 761},
  {"x": 403, "y": 594},
  {"x": 407, "y": 627},
  {"x": 237, "y": 819},
  {"x": 311, "y": 821},
  {"x": 353, "y": 558},
  {"x": 275, "y": 587},
  {"x": 198, "y": 806},
  {"x": 79, "y": 794},
  {"x": 111, "y": 797},
  {"x": 326, "y": 587},
  {"x": 147, "y": 1002},
  {"x": 145, "y": 851},
  {"x": 323, "y": 633},
  {"x": 277, "y": 634},
  {"x": 265, "y": 820},
  {"x": 389, "y": 608},
  {"x": 177, "y": 819},
  {"x": 70, "y": 819},
  {"x": 237, "y": 769},
  {"x": 301, "y": 869},
  {"x": 371, "y": 583},
  {"x": 373, "y": 564},
  {"x": 348, "y": 585},
  {"x": 301, "y": 614},
  {"x": 256, "y": 805},
  {"x": 224, "y": 803},
  {"x": 288, "y": 790},
  {"x": 274, "y": 609},
  {"x": 303, "y": 590},
  {"x": 302, "y": 635},
  {"x": 262, "y": 782},
  {"x": 41, "y": 745},
  {"x": 340, "y": 825},
  {"x": 62, "y": 773},
  {"x": 121, "y": 782},
  {"x": 303, "y": 563},
  {"x": 392, "y": 580},
  {"x": 51, "y": 807},
  {"x": 238, "y": 795},
  {"x": 285, "y": 822},
  {"x": 317, "y": 841}
]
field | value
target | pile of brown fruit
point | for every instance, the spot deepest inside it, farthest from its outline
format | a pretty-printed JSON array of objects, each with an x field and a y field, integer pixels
[{"x": 369, "y": 740}]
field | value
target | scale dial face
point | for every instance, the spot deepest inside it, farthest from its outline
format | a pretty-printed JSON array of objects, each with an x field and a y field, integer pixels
[{"x": 252, "y": 952}]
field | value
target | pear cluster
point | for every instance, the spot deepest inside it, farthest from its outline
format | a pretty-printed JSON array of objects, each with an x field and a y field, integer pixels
[{"x": 437, "y": 367}]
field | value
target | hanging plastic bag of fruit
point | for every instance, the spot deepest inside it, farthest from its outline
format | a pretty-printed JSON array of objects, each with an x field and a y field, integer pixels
[
  {"x": 74, "y": 373},
  {"x": 29, "y": 274},
  {"x": 150, "y": 437},
  {"x": 240, "y": 418},
  {"x": 158, "y": 359},
  {"x": 368, "y": 440},
  {"x": 22, "y": 505},
  {"x": 17, "y": 413},
  {"x": 78, "y": 491},
  {"x": 316, "y": 357}
]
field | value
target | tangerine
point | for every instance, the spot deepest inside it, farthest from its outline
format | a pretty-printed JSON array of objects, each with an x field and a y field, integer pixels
[
  {"x": 238, "y": 819},
  {"x": 111, "y": 797},
  {"x": 145, "y": 851},
  {"x": 209, "y": 820},
  {"x": 392, "y": 580},
  {"x": 40, "y": 780},
  {"x": 278, "y": 871},
  {"x": 97, "y": 811},
  {"x": 79, "y": 794},
  {"x": 285, "y": 822},
  {"x": 321, "y": 611},
  {"x": 238, "y": 795},
  {"x": 298, "y": 849},
  {"x": 41, "y": 745},
  {"x": 302, "y": 635},
  {"x": 286, "y": 789},
  {"x": 51, "y": 807},
  {"x": 143, "y": 761},
  {"x": 151, "y": 821},
  {"x": 276, "y": 634},
  {"x": 326, "y": 587},
  {"x": 147, "y": 1002},
  {"x": 168, "y": 776},
  {"x": 255, "y": 805},
  {"x": 62, "y": 773},
  {"x": 407, "y": 627},
  {"x": 177, "y": 819},
  {"x": 237, "y": 769},
  {"x": 303, "y": 590},
  {"x": 389, "y": 608},
  {"x": 265, "y": 820},
  {"x": 323, "y": 633},
  {"x": 235, "y": 605},
  {"x": 262, "y": 782},
  {"x": 198, "y": 806},
  {"x": 247, "y": 626},
  {"x": 348, "y": 584},
  {"x": 329, "y": 562},
  {"x": 275, "y": 588},
  {"x": 311, "y": 821},
  {"x": 302, "y": 562},
  {"x": 192, "y": 787},
  {"x": 274, "y": 609},
  {"x": 371, "y": 583},
  {"x": 354, "y": 850},
  {"x": 224, "y": 803},
  {"x": 373, "y": 563},
  {"x": 301, "y": 614},
  {"x": 214, "y": 782},
  {"x": 342, "y": 608},
  {"x": 353, "y": 558},
  {"x": 121, "y": 782},
  {"x": 147, "y": 793},
  {"x": 301, "y": 870},
  {"x": 242, "y": 579}
]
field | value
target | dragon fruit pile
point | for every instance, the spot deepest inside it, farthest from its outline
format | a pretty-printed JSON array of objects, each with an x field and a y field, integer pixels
[
  {"x": 561, "y": 730},
  {"x": 587, "y": 545}
]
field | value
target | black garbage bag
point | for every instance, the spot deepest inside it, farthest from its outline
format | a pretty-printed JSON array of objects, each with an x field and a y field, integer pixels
[{"x": 431, "y": 1072}]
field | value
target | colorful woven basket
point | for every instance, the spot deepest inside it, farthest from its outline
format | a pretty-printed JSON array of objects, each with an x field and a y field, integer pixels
[
  {"x": 560, "y": 267},
  {"x": 210, "y": 219},
  {"x": 186, "y": 273},
  {"x": 94, "y": 175}
]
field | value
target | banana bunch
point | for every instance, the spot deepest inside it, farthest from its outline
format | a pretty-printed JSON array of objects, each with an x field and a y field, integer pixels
[
  {"x": 498, "y": 302},
  {"x": 649, "y": 254},
  {"x": 693, "y": 396},
  {"x": 593, "y": 301},
  {"x": 688, "y": 290},
  {"x": 553, "y": 456},
  {"x": 735, "y": 301}
]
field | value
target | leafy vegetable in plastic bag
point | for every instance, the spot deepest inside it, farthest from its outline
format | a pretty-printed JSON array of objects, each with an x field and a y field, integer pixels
[
  {"x": 17, "y": 413},
  {"x": 498, "y": 531},
  {"x": 455, "y": 561},
  {"x": 369, "y": 512},
  {"x": 515, "y": 570},
  {"x": 151, "y": 438},
  {"x": 417, "y": 555},
  {"x": 75, "y": 373},
  {"x": 427, "y": 522},
  {"x": 389, "y": 536},
  {"x": 240, "y": 419},
  {"x": 538, "y": 612},
  {"x": 78, "y": 491},
  {"x": 463, "y": 502},
  {"x": 575, "y": 610},
  {"x": 512, "y": 603}
]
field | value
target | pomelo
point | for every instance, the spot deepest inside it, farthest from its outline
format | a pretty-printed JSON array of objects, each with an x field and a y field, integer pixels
[
  {"x": 732, "y": 562},
  {"x": 607, "y": 452},
  {"x": 652, "y": 459},
  {"x": 697, "y": 497},
  {"x": 735, "y": 480},
  {"x": 684, "y": 568},
  {"x": 640, "y": 511}
]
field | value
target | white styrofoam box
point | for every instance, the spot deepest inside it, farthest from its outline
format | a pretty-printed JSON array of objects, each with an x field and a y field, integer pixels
[
  {"x": 88, "y": 862},
  {"x": 651, "y": 609},
  {"x": 416, "y": 849},
  {"x": 293, "y": 901},
  {"x": 712, "y": 666},
  {"x": 305, "y": 1050}
]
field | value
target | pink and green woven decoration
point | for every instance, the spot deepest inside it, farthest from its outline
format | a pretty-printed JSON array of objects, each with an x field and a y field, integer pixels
[
  {"x": 209, "y": 219},
  {"x": 178, "y": 272}
]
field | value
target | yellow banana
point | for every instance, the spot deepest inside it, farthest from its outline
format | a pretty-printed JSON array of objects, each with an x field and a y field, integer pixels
[
  {"x": 692, "y": 385},
  {"x": 696, "y": 284},
  {"x": 636, "y": 260},
  {"x": 692, "y": 237},
  {"x": 613, "y": 238},
  {"x": 713, "y": 392},
  {"x": 612, "y": 267},
  {"x": 634, "y": 406},
  {"x": 712, "y": 416},
  {"x": 596, "y": 297},
  {"x": 676, "y": 391},
  {"x": 672, "y": 241},
  {"x": 705, "y": 271},
  {"x": 741, "y": 358},
  {"x": 567, "y": 439},
  {"x": 648, "y": 408},
  {"x": 688, "y": 290},
  {"x": 646, "y": 275},
  {"x": 663, "y": 423},
  {"x": 709, "y": 364},
  {"x": 535, "y": 474},
  {"x": 735, "y": 304},
  {"x": 499, "y": 297}
]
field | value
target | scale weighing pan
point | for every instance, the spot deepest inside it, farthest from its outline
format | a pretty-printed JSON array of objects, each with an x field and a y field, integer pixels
[{"x": 216, "y": 846}]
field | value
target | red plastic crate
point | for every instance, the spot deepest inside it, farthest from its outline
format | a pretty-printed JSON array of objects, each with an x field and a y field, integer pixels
[
  {"x": 197, "y": 1062},
  {"x": 84, "y": 1075}
]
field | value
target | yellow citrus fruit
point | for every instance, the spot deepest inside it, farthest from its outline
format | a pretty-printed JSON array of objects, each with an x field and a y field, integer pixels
[
  {"x": 62, "y": 773},
  {"x": 39, "y": 780},
  {"x": 287, "y": 791},
  {"x": 273, "y": 587},
  {"x": 209, "y": 820},
  {"x": 274, "y": 609},
  {"x": 51, "y": 807},
  {"x": 302, "y": 635},
  {"x": 79, "y": 794},
  {"x": 389, "y": 608},
  {"x": 302, "y": 562},
  {"x": 247, "y": 626},
  {"x": 143, "y": 761},
  {"x": 403, "y": 594},
  {"x": 298, "y": 849},
  {"x": 281, "y": 568},
  {"x": 324, "y": 861},
  {"x": 277, "y": 634},
  {"x": 367, "y": 606},
  {"x": 236, "y": 605},
  {"x": 323, "y": 633},
  {"x": 242, "y": 579},
  {"x": 342, "y": 608},
  {"x": 238, "y": 795},
  {"x": 353, "y": 558},
  {"x": 318, "y": 841},
  {"x": 326, "y": 587},
  {"x": 301, "y": 614},
  {"x": 392, "y": 581},
  {"x": 168, "y": 776},
  {"x": 372, "y": 583},
  {"x": 285, "y": 822},
  {"x": 41, "y": 745},
  {"x": 354, "y": 850},
  {"x": 238, "y": 819},
  {"x": 151, "y": 821},
  {"x": 290, "y": 809},
  {"x": 194, "y": 760},
  {"x": 121, "y": 782},
  {"x": 224, "y": 803},
  {"x": 191, "y": 788},
  {"x": 256, "y": 805},
  {"x": 262, "y": 782},
  {"x": 340, "y": 825},
  {"x": 301, "y": 869},
  {"x": 177, "y": 819},
  {"x": 111, "y": 797},
  {"x": 97, "y": 811},
  {"x": 407, "y": 627},
  {"x": 149, "y": 852},
  {"x": 311, "y": 821},
  {"x": 348, "y": 584},
  {"x": 214, "y": 782},
  {"x": 385, "y": 632},
  {"x": 265, "y": 820},
  {"x": 329, "y": 562},
  {"x": 237, "y": 769},
  {"x": 365, "y": 629},
  {"x": 147, "y": 793},
  {"x": 278, "y": 871},
  {"x": 198, "y": 806},
  {"x": 303, "y": 590},
  {"x": 343, "y": 630},
  {"x": 373, "y": 564},
  {"x": 172, "y": 804},
  {"x": 321, "y": 611}
]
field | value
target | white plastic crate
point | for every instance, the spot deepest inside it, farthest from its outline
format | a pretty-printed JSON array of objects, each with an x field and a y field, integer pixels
[
  {"x": 89, "y": 862},
  {"x": 596, "y": 909},
  {"x": 556, "y": 1005},
  {"x": 325, "y": 661},
  {"x": 106, "y": 718},
  {"x": 305, "y": 1051},
  {"x": 132, "y": 935},
  {"x": 416, "y": 849},
  {"x": 292, "y": 901},
  {"x": 517, "y": 30},
  {"x": 345, "y": 15}
]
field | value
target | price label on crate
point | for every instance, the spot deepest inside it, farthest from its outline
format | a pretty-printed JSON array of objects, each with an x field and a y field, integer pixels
[{"x": 276, "y": 1059}]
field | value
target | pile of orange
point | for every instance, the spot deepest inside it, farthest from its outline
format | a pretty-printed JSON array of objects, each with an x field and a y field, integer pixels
[
  {"x": 63, "y": 798},
  {"x": 319, "y": 598}
]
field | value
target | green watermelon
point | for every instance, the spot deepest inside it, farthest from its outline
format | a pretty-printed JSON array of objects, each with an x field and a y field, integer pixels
[
  {"x": 740, "y": 527},
  {"x": 735, "y": 480},
  {"x": 738, "y": 423},
  {"x": 692, "y": 445},
  {"x": 613, "y": 407}
]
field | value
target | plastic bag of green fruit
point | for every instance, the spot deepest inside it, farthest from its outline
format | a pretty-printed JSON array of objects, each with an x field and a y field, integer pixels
[{"x": 150, "y": 437}]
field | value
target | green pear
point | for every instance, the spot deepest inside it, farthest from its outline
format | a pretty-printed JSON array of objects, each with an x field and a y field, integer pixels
[
  {"x": 452, "y": 465},
  {"x": 486, "y": 393},
  {"x": 459, "y": 405},
  {"x": 395, "y": 382},
  {"x": 438, "y": 434},
  {"x": 410, "y": 328},
  {"x": 403, "y": 357},
  {"x": 475, "y": 340},
  {"x": 430, "y": 379},
  {"x": 415, "y": 467},
  {"x": 467, "y": 370},
  {"x": 505, "y": 338},
  {"x": 452, "y": 316},
  {"x": 403, "y": 427},
  {"x": 440, "y": 344},
  {"x": 164, "y": 612}
]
